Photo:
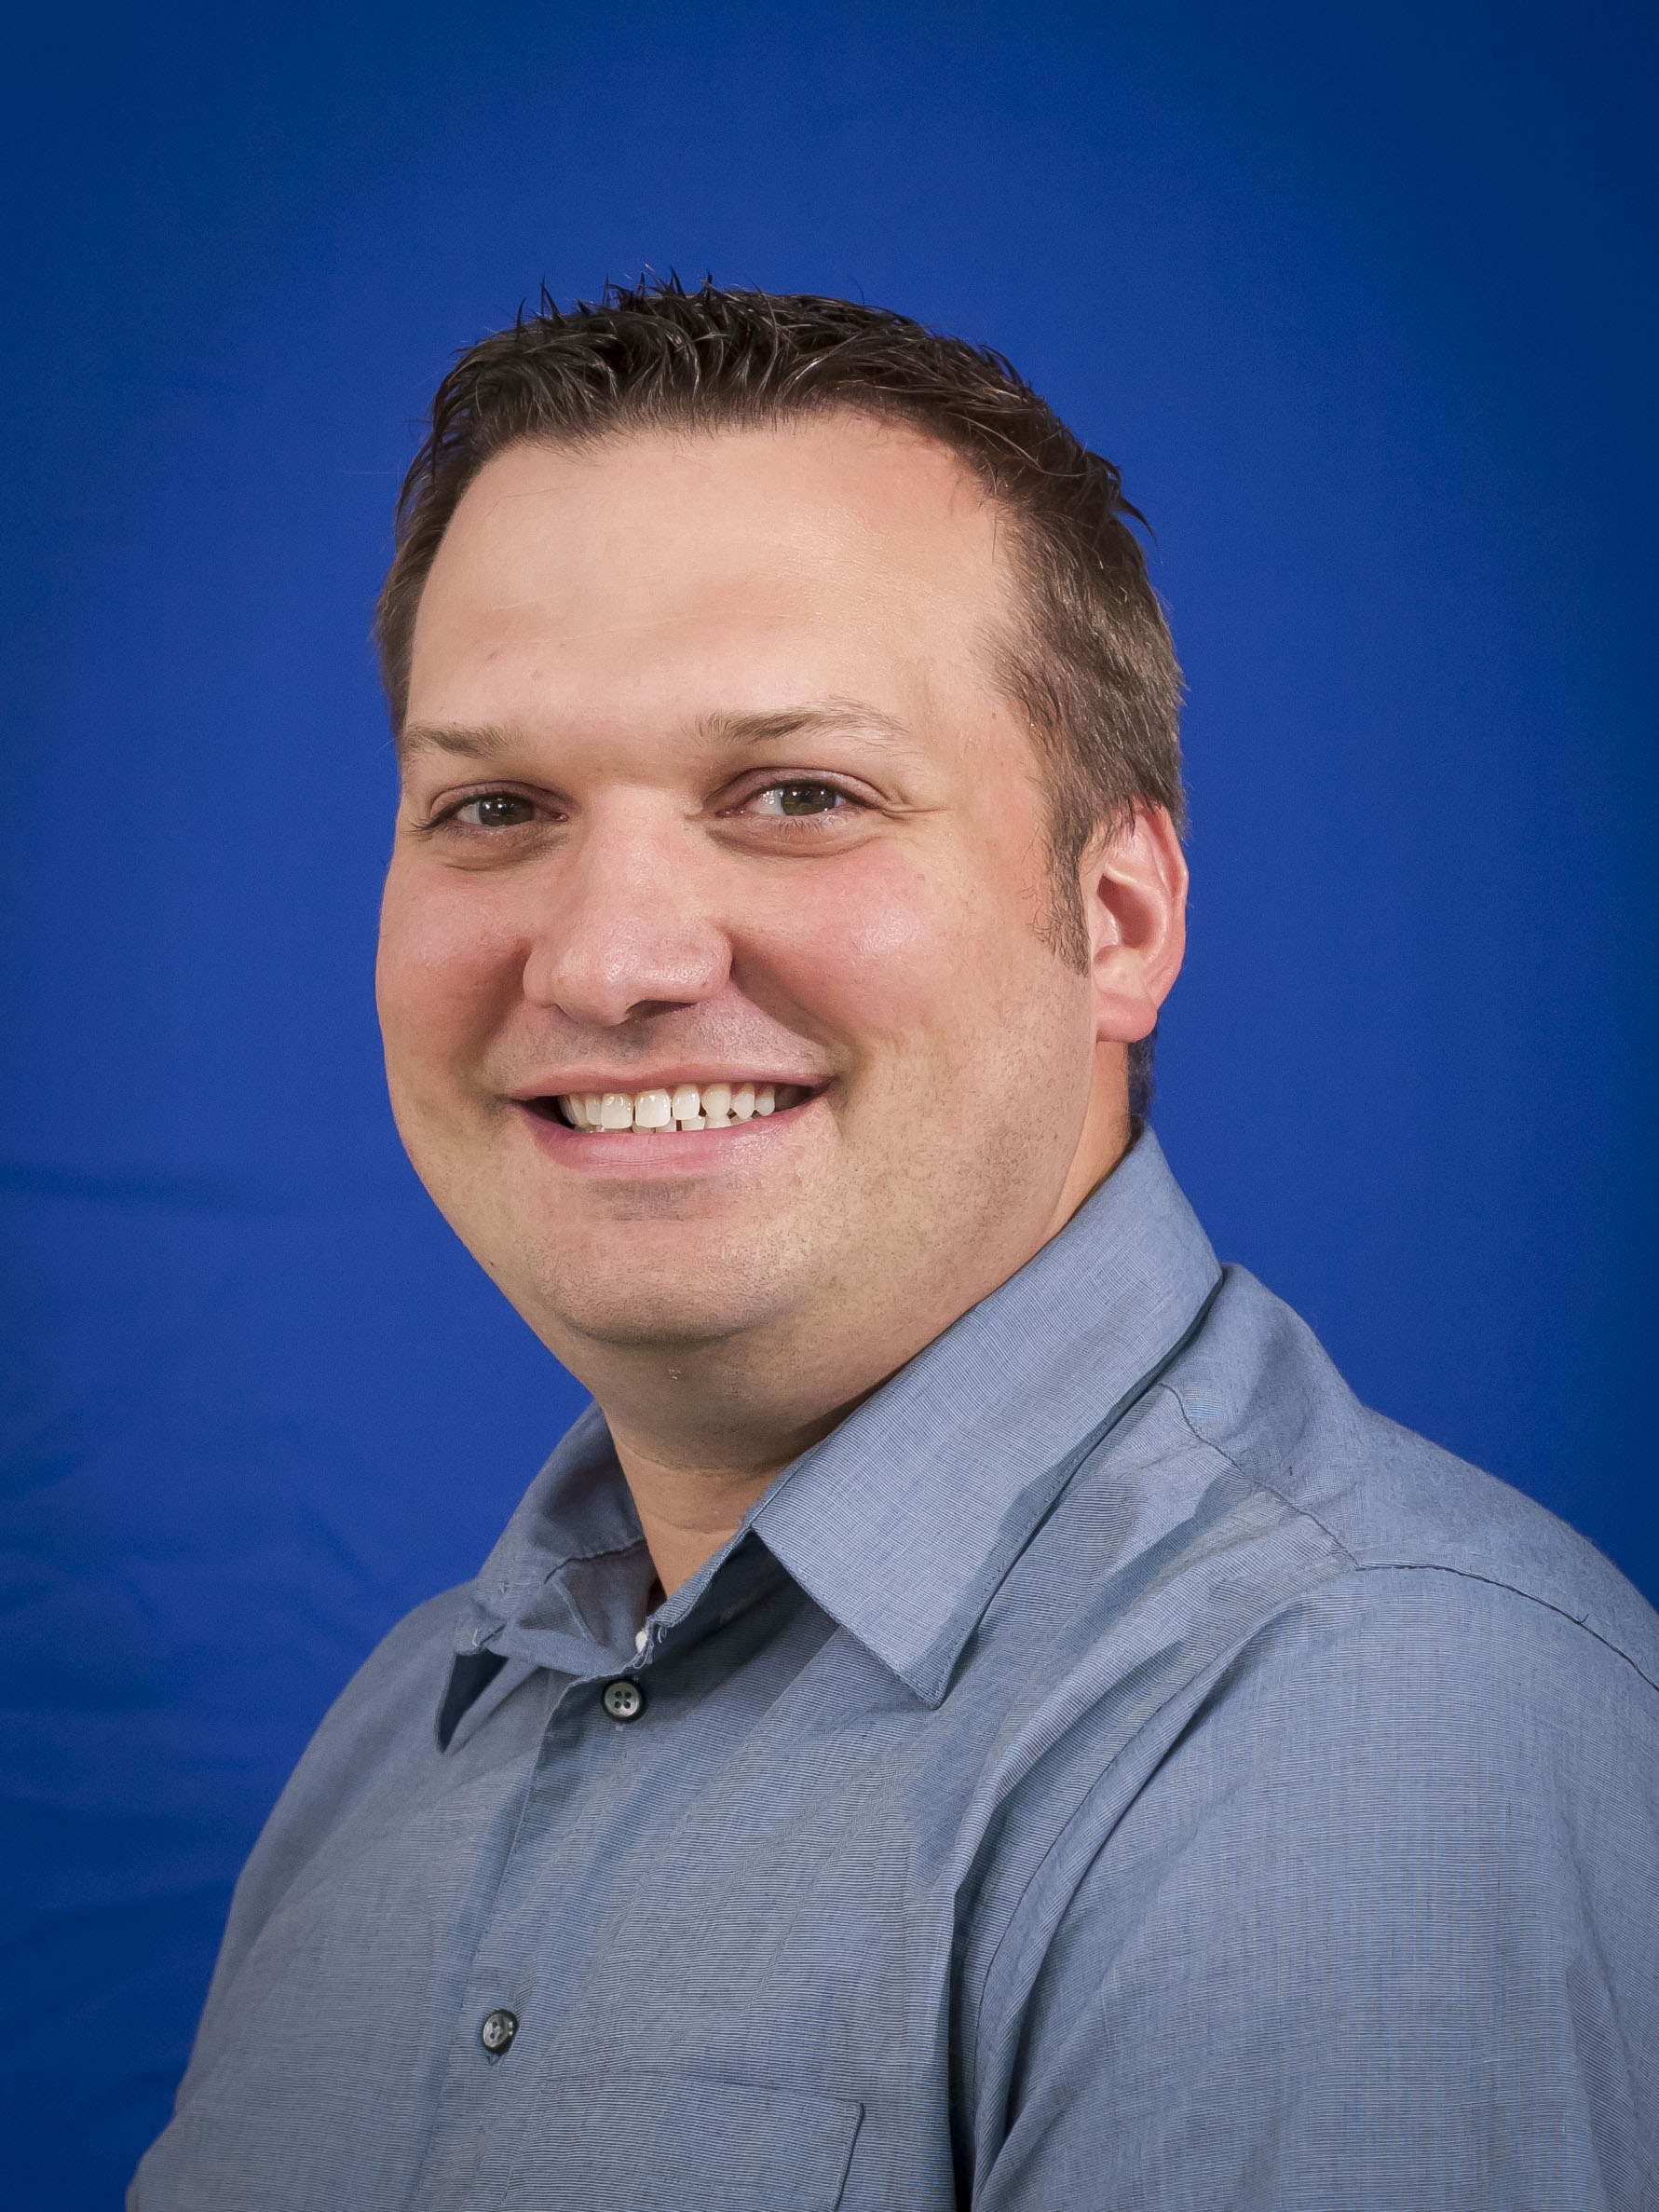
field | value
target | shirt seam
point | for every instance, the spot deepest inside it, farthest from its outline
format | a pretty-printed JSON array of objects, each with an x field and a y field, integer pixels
[
  {"x": 1529, "y": 1597},
  {"x": 1257, "y": 1481},
  {"x": 1417, "y": 1566}
]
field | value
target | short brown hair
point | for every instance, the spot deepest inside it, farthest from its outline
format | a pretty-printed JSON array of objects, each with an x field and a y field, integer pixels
[{"x": 1092, "y": 664}]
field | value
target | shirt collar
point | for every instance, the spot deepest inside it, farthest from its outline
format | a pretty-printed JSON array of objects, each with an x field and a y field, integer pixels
[
  {"x": 904, "y": 1521},
  {"x": 567, "y": 1580}
]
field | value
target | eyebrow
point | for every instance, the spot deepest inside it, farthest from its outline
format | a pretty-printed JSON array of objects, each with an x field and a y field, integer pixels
[
  {"x": 469, "y": 745},
  {"x": 823, "y": 717}
]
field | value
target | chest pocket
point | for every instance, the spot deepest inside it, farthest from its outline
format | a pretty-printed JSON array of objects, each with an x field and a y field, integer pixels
[{"x": 650, "y": 2142}]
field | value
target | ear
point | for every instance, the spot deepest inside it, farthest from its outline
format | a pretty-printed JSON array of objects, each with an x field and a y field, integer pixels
[{"x": 1134, "y": 885}]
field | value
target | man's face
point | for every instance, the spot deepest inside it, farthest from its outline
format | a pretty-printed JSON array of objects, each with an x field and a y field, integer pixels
[{"x": 707, "y": 780}]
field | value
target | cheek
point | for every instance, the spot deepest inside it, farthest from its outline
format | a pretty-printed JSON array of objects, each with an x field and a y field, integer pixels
[
  {"x": 889, "y": 950},
  {"x": 446, "y": 967}
]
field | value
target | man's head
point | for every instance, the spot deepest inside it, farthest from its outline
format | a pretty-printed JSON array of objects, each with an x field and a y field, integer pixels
[{"x": 780, "y": 699}]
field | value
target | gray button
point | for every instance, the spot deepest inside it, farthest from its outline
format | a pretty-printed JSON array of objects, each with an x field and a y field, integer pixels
[
  {"x": 498, "y": 2029},
  {"x": 624, "y": 1699}
]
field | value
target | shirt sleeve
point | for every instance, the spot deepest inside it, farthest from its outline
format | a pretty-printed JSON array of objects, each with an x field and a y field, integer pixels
[{"x": 1381, "y": 1932}]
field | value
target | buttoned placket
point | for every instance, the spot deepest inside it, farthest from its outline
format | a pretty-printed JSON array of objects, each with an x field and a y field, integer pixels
[
  {"x": 500, "y": 2018},
  {"x": 586, "y": 1734}
]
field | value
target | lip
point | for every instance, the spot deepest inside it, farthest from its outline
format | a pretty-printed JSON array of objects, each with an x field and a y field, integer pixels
[{"x": 631, "y": 1156}]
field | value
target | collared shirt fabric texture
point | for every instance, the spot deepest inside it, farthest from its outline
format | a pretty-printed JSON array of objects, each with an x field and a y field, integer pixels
[{"x": 1113, "y": 1768}]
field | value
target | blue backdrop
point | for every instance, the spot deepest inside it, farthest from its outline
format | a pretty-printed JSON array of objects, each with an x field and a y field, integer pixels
[{"x": 1358, "y": 300}]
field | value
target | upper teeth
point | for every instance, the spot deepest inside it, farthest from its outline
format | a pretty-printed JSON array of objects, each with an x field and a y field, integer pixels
[{"x": 713, "y": 1106}]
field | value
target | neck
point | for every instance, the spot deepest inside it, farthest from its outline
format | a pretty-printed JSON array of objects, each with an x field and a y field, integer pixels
[{"x": 686, "y": 1513}]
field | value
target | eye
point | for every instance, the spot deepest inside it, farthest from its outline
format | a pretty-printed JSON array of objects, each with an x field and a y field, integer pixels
[
  {"x": 494, "y": 810},
  {"x": 800, "y": 798}
]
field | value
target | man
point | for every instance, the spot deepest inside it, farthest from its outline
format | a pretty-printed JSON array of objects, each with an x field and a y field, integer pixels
[{"x": 975, "y": 1712}]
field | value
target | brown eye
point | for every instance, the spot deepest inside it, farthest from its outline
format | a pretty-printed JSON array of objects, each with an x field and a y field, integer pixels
[
  {"x": 496, "y": 809},
  {"x": 800, "y": 798}
]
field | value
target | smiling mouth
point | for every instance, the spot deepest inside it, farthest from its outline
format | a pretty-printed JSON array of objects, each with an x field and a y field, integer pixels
[{"x": 668, "y": 1112}]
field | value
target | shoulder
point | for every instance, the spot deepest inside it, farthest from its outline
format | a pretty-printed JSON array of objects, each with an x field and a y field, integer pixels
[
  {"x": 1380, "y": 1922},
  {"x": 1412, "y": 1793},
  {"x": 391, "y": 1699},
  {"x": 383, "y": 1720},
  {"x": 395, "y": 1691},
  {"x": 1420, "y": 1699},
  {"x": 1465, "y": 1697},
  {"x": 1259, "y": 1390}
]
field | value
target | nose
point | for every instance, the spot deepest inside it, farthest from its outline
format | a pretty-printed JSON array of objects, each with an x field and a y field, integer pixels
[{"x": 627, "y": 928}]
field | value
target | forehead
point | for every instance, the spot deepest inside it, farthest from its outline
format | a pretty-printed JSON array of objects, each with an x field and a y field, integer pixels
[{"x": 832, "y": 551}]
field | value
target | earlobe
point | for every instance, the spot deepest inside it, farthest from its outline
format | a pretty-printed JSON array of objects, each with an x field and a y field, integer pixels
[{"x": 1134, "y": 885}]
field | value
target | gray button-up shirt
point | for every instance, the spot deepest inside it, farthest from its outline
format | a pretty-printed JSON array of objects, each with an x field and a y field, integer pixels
[{"x": 1113, "y": 1769}]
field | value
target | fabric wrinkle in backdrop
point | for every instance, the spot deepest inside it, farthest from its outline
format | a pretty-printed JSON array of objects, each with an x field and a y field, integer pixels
[{"x": 1359, "y": 305}]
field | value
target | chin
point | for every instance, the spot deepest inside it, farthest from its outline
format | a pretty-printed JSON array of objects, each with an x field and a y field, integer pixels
[
  {"x": 616, "y": 1308},
  {"x": 668, "y": 1328}
]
